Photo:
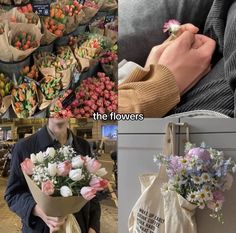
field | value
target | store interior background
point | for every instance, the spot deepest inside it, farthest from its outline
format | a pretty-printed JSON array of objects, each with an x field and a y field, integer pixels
[{"x": 102, "y": 137}]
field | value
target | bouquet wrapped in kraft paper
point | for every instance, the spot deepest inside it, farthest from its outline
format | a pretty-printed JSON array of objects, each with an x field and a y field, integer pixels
[
  {"x": 61, "y": 65},
  {"x": 50, "y": 88},
  {"x": 98, "y": 26},
  {"x": 109, "y": 5},
  {"x": 24, "y": 39},
  {"x": 52, "y": 29},
  {"x": 89, "y": 51},
  {"x": 24, "y": 100},
  {"x": 111, "y": 30},
  {"x": 74, "y": 13},
  {"x": 62, "y": 182},
  {"x": 91, "y": 8},
  {"x": 5, "y": 54}
]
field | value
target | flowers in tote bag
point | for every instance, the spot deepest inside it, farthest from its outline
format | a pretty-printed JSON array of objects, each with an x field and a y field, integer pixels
[
  {"x": 61, "y": 172},
  {"x": 201, "y": 176}
]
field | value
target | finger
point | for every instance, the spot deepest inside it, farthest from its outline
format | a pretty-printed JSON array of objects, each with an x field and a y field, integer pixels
[
  {"x": 185, "y": 40},
  {"x": 208, "y": 45},
  {"x": 56, "y": 219},
  {"x": 197, "y": 42},
  {"x": 189, "y": 27},
  {"x": 55, "y": 224}
]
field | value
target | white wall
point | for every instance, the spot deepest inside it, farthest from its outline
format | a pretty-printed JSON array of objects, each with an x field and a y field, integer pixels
[{"x": 139, "y": 141}]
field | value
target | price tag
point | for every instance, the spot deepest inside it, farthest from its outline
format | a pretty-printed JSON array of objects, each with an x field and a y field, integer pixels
[
  {"x": 68, "y": 100},
  {"x": 109, "y": 18},
  {"x": 41, "y": 9}
]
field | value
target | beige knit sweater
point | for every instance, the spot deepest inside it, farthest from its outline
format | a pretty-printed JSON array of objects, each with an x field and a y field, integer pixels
[{"x": 153, "y": 92}]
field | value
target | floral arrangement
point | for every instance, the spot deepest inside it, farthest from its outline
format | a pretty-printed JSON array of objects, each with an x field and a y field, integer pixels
[
  {"x": 61, "y": 172},
  {"x": 201, "y": 176},
  {"x": 24, "y": 99},
  {"x": 172, "y": 26}
]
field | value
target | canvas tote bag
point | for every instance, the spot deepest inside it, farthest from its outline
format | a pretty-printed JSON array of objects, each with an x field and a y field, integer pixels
[{"x": 157, "y": 212}]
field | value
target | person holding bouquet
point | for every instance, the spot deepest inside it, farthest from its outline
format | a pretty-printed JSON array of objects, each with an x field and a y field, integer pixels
[{"x": 34, "y": 220}]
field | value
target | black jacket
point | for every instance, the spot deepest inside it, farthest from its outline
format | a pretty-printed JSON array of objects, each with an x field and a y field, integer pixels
[{"x": 19, "y": 198}]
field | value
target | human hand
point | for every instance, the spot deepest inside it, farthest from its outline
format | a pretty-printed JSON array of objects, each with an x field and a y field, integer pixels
[
  {"x": 188, "y": 58},
  {"x": 91, "y": 230},
  {"x": 54, "y": 223},
  {"x": 157, "y": 51}
]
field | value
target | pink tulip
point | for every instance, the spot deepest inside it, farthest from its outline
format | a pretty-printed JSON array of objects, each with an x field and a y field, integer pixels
[
  {"x": 47, "y": 187},
  {"x": 93, "y": 165},
  {"x": 27, "y": 166},
  {"x": 63, "y": 169},
  {"x": 98, "y": 183},
  {"x": 88, "y": 193}
]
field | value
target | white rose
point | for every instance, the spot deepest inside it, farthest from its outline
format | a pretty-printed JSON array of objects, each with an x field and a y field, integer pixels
[
  {"x": 77, "y": 162},
  {"x": 66, "y": 151},
  {"x": 33, "y": 158},
  {"x": 51, "y": 152},
  {"x": 52, "y": 169},
  {"x": 40, "y": 157},
  {"x": 101, "y": 172},
  {"x": 65, "y": 191},
  {"x": 76, "y": 175}
]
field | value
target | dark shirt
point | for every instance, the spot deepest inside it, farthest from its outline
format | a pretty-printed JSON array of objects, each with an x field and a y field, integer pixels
[{"x": 19, "y": 198}]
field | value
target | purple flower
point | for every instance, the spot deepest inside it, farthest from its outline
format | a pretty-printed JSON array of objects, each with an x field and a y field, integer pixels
[
  {"x": 171, "y": 25},
  {"x": 218, "y": 196},
  {"x": 199, "y": 152}
]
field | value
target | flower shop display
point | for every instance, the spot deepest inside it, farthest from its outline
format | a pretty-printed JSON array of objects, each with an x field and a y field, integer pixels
[
  {"x": 98, "y": 26},
  {"x": 62, "y": 181},
  {"x": 109, "y": 5},
  {"x": 95, "y": 94},
  {"x": 109, "y": 62},
  {"x": 60, "y": 45},
  {"x": 201, "y": 177}
]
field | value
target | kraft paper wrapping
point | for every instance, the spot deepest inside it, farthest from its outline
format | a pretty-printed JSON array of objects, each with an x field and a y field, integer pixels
[
  {"x": 47, "y": 37},
  {"x": 109, "y": 5},
  {"x": 6, "y": 103},
  {"x": 43, "y": 102},
  {"x": 66, "y": 77},
  {"x": 6, "y": 54},
  {"x": 55, "y": 206},
  {"x": 29, "y": 28},
  {"x": 73, "y": 22}
]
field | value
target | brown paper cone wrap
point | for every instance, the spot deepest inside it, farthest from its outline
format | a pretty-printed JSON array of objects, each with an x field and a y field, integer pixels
[
  {"x": 6, "y": 103},
  {"x": 29, "y": 28},
  {"x": 6, "y": 54},
  {"x": 47, "y": 37},
  {"x": 89, "y": 14},
  {"x": 43, "y": 102},
  {"x": 73, "y": 22},
  {"x": 107, "y": 6},
  {"x": 66, "y": 77},
  {"x": 113, "y": 35},
  {"x": 96, "y": 30},
  {"x": 55, "y": 206},
  {"x": 39, "y": 22},
  {"x": 20, "y": 17},
  {"x": 47, "y": 71}
]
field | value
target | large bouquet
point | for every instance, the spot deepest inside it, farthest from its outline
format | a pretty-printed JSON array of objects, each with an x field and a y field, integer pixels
[
  {"x": 62, "y": 182},
  {"x": 63, "y": 173},
  {"x": 201, "y": 176}
]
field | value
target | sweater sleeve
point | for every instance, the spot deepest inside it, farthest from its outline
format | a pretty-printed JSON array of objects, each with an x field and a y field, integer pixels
[{"x": 152, "y": 92}]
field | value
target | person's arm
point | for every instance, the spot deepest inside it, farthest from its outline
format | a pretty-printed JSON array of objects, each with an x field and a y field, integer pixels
[
  {"x": 17, "y": 195},
  {"x": 152, "y": 92}
]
